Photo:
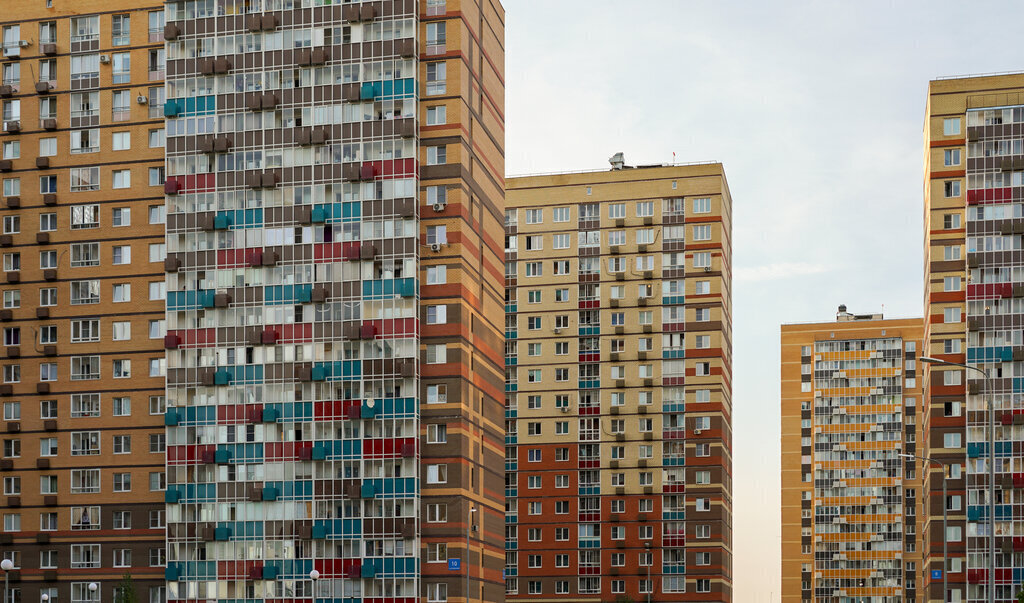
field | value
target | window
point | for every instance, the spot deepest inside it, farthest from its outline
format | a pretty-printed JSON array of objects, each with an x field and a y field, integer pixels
[
  {"x": 48, "y": 259},
  {"x": 85, "y": 216},
  {"x": 85, "y": 368},
  {"x": 85, "y": 254},
  {"x": 120, "y": 73},
  {"x": 122, "y": 179},
  {"x": 437, "y": 513},
  {"x": 157, "y": 481},
  {"x": 122, "y": 330},
  {"x": 157, "y": 138},
  {"x": 122, "y": 482},
  {"x": 951, "y": 283},
  {"x": 437, "y": 78},
  {"x": 702, "y": 232},
  {"x": 436, "y": 115},
  {"x": 157, "y": 405},
  {"x": 85, "y": 481},
  {"x": 950, "y": 315},
  {"x": 437, "y": 155},
  {"x": 121, "y": 141},
  {"x": 12, "y": 374},
  {"x": 122, "y": 444},
  {"x": 157, "y": 290},
  {"x": 702, "y": 259},
  {"x": 85, "y": 443},
  {"x": 437, "y": 592},
  {"x": 437, "y": 434},
  {"x": 12, "y": 298},
  {"x": 951, "y": 188},
  {"x": 85, "y": 141},
  {"x": 951, "y": 221},
  {"x": 951, "y": 157},
  {"x": 123, "y": 406},
  {"x": 47, "y": 147},
  {"x": 122, "y": 292},
  {"x": 437, "y": 474},
  {"x": 122, "y": 255},
  {"x": 951, "y": 440},
  {"x": 48, "y": 447},
  {"x": 437, "y": 394},
  {"x": 437, "y": 353},
  {"x": 122, "y": 368},
  {"x": 950, "y": 126},
  {"x": 48, "y": 371},
  {"x": 12, "y": 187},
  {"x": 120, "y": 30},
  {"x": 85, "y": 330},
  {"x": 12, "y": 148},
  {"x": 437, "y": 234},
  {"x": 437, "y": 315},
  {"x": 560, "y": 214},
  {"x": 122, "y": 557}
]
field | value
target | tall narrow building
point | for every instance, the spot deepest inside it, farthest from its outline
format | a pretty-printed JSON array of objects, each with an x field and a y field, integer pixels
[
  {"x": 850, "y": 501},
  {"x": 335, "y": 192},
  {"x": 973, "y": 194},
  {"x": 83, "y": 298},
  {"x": 618, "y": 364}
]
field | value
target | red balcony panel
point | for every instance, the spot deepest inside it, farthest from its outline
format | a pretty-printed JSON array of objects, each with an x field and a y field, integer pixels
[
  {"x": 186, "y": 455},
  {"x": 388, "y": 170},
  {"x": 236, "y": 413},
  {"x": 1018, "y": 543},
  {"x": 590, "y": 517},
  {"x": 394, "y": 326},
  {"x": 1018, "y": 480},
  {"x": 332, "y": 409},
  {"x": 673, "y": 327},
  {"x": 390, "y": 600},
  {"x": 1007, "y": 418},
  {"x": 331, "y": 251},
  {"x": 673, "y": 540},
  {"x": 196, "y": 338},
  {"x": 379, "y": 448},
  {"x": 672, "y": 380},
  {"x": 589, "y": 410},
  {"x": 352, "y": 251},
  {"x": 330, "y": 568},
  {"x": 591, "y": 304},
  {"x": 234, "y": 258},
  {"x": 590, "y": 357},
  {"x": 674, "y": 488},
  {"x": 294, "y": 333},
  {"x": 589, "y": 464},
  {"x": 238, "y": 570}
]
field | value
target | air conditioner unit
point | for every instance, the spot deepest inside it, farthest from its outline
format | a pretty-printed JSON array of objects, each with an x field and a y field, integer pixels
[
  {"x": 707, "y": 268},
  {"x": 564, "y": 409},
  {"x": 435, "y": 247},
  {"x": 558, "y": 330},
  {"x": 104, "y": 58},
  {"x": 440, "y": 206},
  {"x": 698, "y": 431},
  {"x": 23, "y": 43},
  {"x": 141, "y": 99}
]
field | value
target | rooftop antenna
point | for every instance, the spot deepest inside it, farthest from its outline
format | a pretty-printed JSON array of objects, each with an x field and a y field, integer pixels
[{"x": 617, "y": 160}]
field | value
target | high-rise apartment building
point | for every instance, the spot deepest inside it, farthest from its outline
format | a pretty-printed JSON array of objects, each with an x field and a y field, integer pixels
[
  {"x": 850, "y": 503},
  {"x": 335, "y": 193},
  {"x": 83, "y": 298},
  {"x": 618, "y": 362},
  {"x": 974, "y": 194}
]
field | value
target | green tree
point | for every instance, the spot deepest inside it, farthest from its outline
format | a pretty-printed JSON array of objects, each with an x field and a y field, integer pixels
[{"x": 126, "y": 590}]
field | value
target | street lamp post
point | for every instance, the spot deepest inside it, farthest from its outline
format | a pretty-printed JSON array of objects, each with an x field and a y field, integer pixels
[
  {"x": 314, "y": 575},
  {"x": 7, "y": 565},
  {"x": 991, "y": 470},
  {"x": 945, "y": 533},
  {"x": 469, "y": 528}
]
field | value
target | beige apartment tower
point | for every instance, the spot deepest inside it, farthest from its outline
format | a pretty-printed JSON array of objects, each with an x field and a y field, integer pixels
[
  {"x": 974, "y": 308},
  {"x": 618, "y": 385},
  {"x": 83, "y": 298},
  {"x": 850, "y": 499}
]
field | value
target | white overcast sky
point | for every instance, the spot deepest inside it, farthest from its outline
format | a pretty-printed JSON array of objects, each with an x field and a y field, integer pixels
[{"x": 816, "y": 111}]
